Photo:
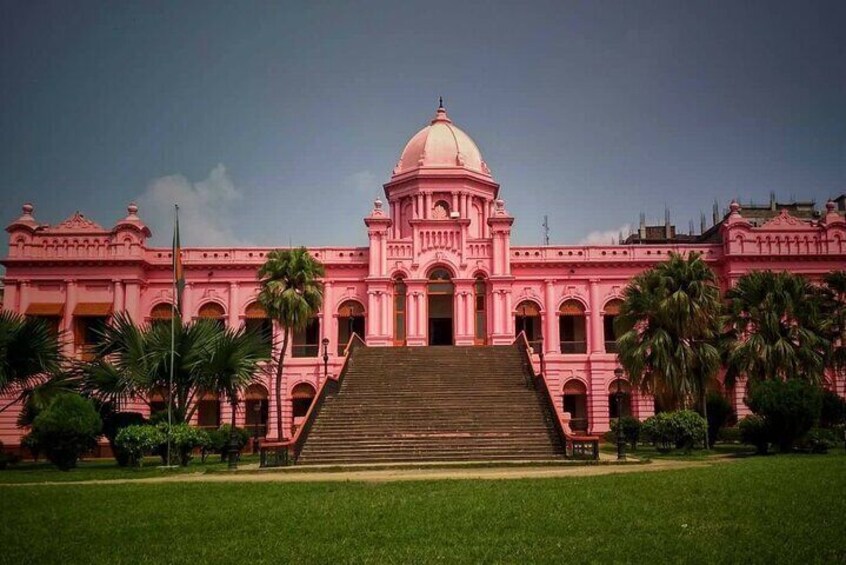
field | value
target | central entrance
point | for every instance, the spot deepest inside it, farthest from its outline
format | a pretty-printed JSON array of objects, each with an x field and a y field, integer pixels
[{"x": 440, "y": 295}]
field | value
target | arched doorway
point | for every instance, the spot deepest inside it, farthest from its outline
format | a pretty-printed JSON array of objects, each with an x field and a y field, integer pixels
[
  {"x": 256, "y": 410},
  {"x": 626, "y": 402},
  {"x": 350, "y": 321},
  {"x": 256, "y": 321},
  {"x": 571, "y": 327},
  {"x": 575, "y": 402},
  {"x": 440, "y": 296},
  {"x": 208, "y": 411},
  {"x": 301, "y": 399},
  {"x": 480, "y": 319},
  {"x": 612, "y": 310},
  {"x": 528, "y": 319},
  {"x": 400, "y": 306}
]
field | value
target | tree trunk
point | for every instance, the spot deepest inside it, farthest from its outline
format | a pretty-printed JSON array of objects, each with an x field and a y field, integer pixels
[{"x": 278, "y": 384}]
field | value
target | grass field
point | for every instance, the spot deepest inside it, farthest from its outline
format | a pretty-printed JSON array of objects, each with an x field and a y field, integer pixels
[{"x": 758, "y": 509}]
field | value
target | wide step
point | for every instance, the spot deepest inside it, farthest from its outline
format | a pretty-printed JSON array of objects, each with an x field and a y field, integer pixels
[{"x": 400, "y": 404}]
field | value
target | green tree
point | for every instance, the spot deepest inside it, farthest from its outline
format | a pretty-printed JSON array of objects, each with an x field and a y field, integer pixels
[
  {"x": 291, "y": 294},
  {"x": 833, "y": 298},
  {"x": 67, "y": 429},
  {"x": 774, "y": 329},
  {"x": 233, "y": 366},
  {"x": 669, "y": 325},
  {"x": 134, "y": 362},
  {"x": 29, "y": 353}
]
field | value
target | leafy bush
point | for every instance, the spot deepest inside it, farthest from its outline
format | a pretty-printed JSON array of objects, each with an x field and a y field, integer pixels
[
  {"x": 833, "y": 409},
  {"x": 683, "y": 429},
  {"x": 113, "y": 423},
  {"x": 720, "y": 413},
  {"x": 184, "y": 440},
  {"x": 754, "y": 431},
  {"x": 220, "y": 439},
  {"x": 817, "y": 440},
  {"x": 789, "y": 408},
  {"x": 66, "y": 429},
  {"x": 136, "y": 440},
  {"x": 30, "y": 443},
  {"x": 729, "y": 434},
  {"x": 5, "y": 458},
  {"x": 631, "y": 430}
]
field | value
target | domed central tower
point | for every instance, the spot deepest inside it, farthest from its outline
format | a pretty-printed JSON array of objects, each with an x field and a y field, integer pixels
[
  {"x": 441, "y": 175},
  {"x": 441, "y": 145},
  {"x": 440, "y": 252}
]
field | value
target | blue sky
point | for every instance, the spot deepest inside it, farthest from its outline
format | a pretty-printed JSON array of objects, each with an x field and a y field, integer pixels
[{"x": 277, "y": 122}]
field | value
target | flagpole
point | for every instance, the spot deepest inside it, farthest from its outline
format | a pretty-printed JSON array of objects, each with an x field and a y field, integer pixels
[{"x": 173, "y": 310}]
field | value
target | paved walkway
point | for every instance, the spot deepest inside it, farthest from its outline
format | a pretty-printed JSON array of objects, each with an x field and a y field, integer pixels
[{"x": 298, "y": 475}]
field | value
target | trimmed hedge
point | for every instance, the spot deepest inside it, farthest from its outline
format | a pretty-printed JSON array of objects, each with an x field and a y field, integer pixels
[{"x": 66, "y": 429}]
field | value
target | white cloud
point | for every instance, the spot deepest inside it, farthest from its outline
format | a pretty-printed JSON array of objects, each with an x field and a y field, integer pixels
[
  {"x": 206, "y": 209},
  {"x": 606, "y": 237}
]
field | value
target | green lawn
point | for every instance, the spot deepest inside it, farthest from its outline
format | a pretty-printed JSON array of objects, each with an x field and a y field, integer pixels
[
  {"x": 107, "y": 469},
  {"x": 757, "y": 509}
]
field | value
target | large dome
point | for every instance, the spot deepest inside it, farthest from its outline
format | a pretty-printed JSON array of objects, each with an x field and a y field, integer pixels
[{"x": 441, "y": 145}]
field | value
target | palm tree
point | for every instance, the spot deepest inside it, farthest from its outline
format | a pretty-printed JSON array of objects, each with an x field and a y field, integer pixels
[
  {"x": 29, "y": 353},
  {"x": 291, "y": 295},
  {"x": 232, "y": 368},
  {"x": 774, "y": 329},
  {"x": 134, "y": 361},
  {"x": 833, "y": 298},
  {"x": 669, "y": 325}
]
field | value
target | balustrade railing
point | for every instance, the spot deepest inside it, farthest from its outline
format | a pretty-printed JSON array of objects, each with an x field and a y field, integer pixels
[
  {"x": 573, "y": 347},
  {"x": 281, "y": 453}
]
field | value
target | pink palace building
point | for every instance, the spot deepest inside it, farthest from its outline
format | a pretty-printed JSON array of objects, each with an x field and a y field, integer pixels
[{"x": 439, "y": 269}]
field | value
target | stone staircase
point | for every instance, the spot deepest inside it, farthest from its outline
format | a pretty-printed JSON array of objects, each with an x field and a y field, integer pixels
[{"x": 432, "y": 404}]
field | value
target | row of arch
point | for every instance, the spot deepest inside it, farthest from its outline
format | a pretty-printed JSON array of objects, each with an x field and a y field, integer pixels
[
  {"x": 575, "y": 401},
  {"x": 305, "y": 342},
  {"x": 254, "y": 408},
  {"x": 572, "y": 325}
]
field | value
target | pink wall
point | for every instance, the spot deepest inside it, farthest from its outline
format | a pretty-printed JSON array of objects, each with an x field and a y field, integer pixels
[{"x": 79, "y": 262}]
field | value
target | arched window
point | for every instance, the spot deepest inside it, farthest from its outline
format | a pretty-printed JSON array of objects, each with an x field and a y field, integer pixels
[
  {"x": 307, "y": 340},
  {"x": 158, "y": 401},
  {"x": 575, "y": 402},
  {"x": 301, "y": 398},
  {"x": 612, "y": 310},
  {"x": 161, "y": 313},
  {"x": 255, "y": 410},
  {"x": 256, "y": 320},
  {"x": 571, "y": 326},
  {"x": 212, "y": 311},
  {"x": 208, "y": 411},
  {"x": 440, "y": 211},
  {"x": 350, "y": 321},
  {"x": 528, "y": 319},
  {"x": 625, "y": 401},
  {"x": 481, "y": 316},
  {"x": 400, "y": 306}
]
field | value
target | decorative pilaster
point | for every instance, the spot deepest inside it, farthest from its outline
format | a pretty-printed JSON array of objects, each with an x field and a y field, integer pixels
[{"x": 234, "y": 318}]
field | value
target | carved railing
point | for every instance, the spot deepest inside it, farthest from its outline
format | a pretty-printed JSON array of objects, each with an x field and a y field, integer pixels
[
  {"x": 284, "y": 453},
  {"x": 576, "y": 446}
]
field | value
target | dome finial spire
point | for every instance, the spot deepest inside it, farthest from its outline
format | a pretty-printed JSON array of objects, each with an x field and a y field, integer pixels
[{"x": 440, "y": 102}]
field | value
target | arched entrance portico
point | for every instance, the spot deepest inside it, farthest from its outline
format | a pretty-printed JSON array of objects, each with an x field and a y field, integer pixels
[{"x": 440, "y": 291}]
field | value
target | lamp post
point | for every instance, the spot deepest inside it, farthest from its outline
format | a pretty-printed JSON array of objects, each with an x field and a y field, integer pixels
[
  {"x": 621, "y": 442},
  {"x": 325, "y": 358}
]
